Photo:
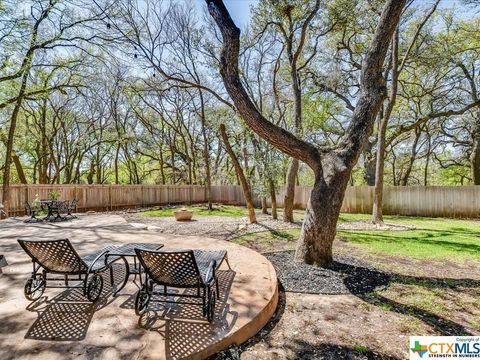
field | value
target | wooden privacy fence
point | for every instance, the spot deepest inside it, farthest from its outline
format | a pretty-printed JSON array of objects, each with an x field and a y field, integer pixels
[
  {"x": 108, "y": 197},
  {"x": 435, "y": 201}
]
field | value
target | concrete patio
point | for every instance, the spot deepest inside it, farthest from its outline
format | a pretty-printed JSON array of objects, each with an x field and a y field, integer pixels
[{"x": 63, "y": 324}]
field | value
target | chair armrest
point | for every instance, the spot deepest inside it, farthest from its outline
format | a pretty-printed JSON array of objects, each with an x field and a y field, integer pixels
[{"x": 99, "y": 256}]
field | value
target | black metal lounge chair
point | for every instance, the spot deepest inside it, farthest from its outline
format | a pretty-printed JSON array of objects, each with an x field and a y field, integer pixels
[
  {"x": 180, "y": 269},
  {"x": 59, "y": 257}
]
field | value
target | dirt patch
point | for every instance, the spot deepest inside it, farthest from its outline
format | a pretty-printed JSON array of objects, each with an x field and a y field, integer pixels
[
  {"x": 336, "y": 327},
  {"x": 220, "y": 227},
  {"x": 227, "y": 228},
  {"x": 368, "y": 225}
]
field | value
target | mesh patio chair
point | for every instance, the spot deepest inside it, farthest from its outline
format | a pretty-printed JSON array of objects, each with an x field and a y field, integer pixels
[
  {"x": 2, "y": 211},
  {"x": 180, "y": 269},
  {"x": 59, "y": 257},
  {"x": 72, "y": 208},
  {"x": 32, "y": 212}
]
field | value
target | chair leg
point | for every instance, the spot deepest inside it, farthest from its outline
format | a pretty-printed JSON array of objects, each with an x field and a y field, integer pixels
[
  {"x": 111, "y": 275},
  {"x": 226, "y": 259},
  {"x": 85, "y": 285},
  {"x": 204, "y": 312},
  {"x": 218, "y": 288}
]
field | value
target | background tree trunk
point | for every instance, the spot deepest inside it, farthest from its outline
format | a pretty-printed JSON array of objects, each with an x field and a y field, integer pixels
[
  {"x": 206, "y": 153},
  {"x": 241, "y": 176},
  {"x": 379, "y": 169},
  {"x": 377, "y": 213},
  {"x": 288, "y": 202},
  {"x": 264, "y": 205},
  {"x": 273, "y": 197},
  {"x": 475, "y": 156},
  {"x": 9, "y": 147}
]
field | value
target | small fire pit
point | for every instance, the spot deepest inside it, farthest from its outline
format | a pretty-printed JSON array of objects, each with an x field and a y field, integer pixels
[{"x": 183, "y": 215}]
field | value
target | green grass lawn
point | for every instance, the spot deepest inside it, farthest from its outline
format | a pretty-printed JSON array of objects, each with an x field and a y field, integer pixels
[
  {"x": 219, "y": 210},
  {"x": 432, "y": 238}
]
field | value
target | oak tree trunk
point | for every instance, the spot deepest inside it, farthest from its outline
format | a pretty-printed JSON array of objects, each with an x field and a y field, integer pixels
[{"x": 320, "y": 224}]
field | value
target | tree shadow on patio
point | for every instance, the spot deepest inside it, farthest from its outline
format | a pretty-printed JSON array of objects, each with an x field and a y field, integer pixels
[
  {"x": 183, "y": 327},
  {"x": 67, "y": 316}
]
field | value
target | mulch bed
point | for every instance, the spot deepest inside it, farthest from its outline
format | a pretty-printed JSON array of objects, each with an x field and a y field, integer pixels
[{"x": 347, "y": 276}]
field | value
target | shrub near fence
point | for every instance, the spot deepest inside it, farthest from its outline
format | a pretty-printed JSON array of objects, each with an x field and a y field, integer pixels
[{"x": 434, "y": 201}]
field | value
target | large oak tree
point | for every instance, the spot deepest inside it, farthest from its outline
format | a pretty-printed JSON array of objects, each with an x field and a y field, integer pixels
[{"x": 332, "y": 167}]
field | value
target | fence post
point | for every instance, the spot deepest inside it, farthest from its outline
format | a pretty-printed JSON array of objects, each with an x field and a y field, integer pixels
[
  {"x": 27, "y": 196},
  {"x": 76, "y": 197},
  {"x": 143, "y": 194},
  {"x": 110, "y": 196}
]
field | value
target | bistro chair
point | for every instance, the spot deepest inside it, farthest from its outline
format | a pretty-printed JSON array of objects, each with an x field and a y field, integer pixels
[
  {"x": 32, "y": 213},
  {"x": 58, "y": 257},
  {"x": 2, "y": 211},
  {"x": 180, "y": 269},
  {"x": 72, "y": 208}
]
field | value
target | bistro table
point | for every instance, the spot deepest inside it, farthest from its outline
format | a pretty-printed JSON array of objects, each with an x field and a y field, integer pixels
[
  {"x": 125, "y": 251},
  {"x": 54, "y": 206}
]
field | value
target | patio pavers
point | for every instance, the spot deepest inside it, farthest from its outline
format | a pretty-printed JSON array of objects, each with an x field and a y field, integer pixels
[{"x": 62, "y": 324}]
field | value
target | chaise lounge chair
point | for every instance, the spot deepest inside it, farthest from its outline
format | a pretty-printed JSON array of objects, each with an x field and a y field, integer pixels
[
  {"x": 59, "y": 257},
  {"x": 180, "y": 269}
]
